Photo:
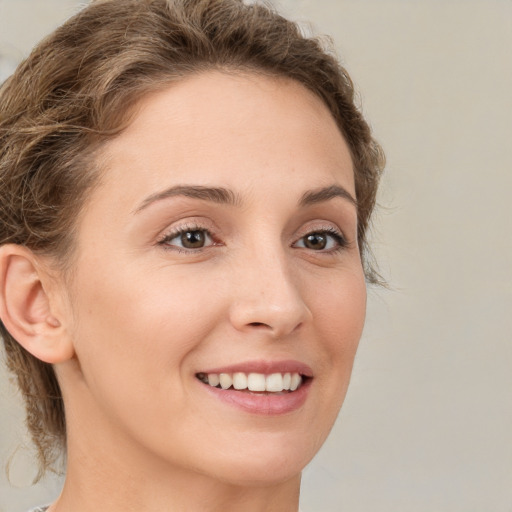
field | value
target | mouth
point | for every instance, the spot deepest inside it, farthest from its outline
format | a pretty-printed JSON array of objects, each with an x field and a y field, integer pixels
[
  {"x": 262, "y": 388},
  {"x": 255, "y": 383}
]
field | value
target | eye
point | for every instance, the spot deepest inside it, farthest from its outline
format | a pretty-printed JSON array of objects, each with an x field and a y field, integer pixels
[
  {"x": 323, "y": 240},
  {"x": 190, "y": 239}
]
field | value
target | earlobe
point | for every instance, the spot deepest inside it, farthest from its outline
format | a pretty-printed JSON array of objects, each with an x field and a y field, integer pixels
[{"x": 26, "y": 309}]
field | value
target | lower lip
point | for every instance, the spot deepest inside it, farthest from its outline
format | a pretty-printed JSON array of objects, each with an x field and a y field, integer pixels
[{"x": 263, "y": 404}]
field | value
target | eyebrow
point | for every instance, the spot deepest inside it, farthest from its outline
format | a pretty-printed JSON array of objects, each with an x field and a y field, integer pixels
[
  {"x": 325, "y": 194},
  {"x": 221, "y": 195},
  {"x": 218, "y": 195}
]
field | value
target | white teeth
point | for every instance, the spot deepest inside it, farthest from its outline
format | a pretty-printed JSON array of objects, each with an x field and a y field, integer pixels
[
  {"x": 213, "y": 379},
  {"x": 240, "y": 380},
  {"x": 225, "y": 380},
  {"x": 287, "y": 380},
  {"x": 256, "y": 382},
  {"x": 275, "y": 382},
  {"x": 296, "y": 380}
]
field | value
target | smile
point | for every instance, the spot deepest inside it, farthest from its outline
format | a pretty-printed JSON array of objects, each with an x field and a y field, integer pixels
[
  {"x": 259, "y": 387},
  {"x": 253, "y": 382}
]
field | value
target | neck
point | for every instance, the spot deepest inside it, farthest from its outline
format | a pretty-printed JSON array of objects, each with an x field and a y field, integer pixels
[{"x": 113, "y": 488}]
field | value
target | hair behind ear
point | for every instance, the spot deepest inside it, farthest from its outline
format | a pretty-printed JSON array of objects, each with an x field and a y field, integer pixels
[
  {"x": 34, "y": 338},
  {"x": 44, "y": 406}
]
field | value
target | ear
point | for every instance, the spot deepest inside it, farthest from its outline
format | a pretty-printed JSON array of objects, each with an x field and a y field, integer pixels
[{"x": 27, "y": 310}]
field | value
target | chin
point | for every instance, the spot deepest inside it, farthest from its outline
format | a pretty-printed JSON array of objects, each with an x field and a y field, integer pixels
[
  {"x": 264, "y": 463},
  {"x": 263, "y": 473}
]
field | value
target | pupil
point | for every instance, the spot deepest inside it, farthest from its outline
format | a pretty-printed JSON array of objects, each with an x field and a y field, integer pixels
[
  {"x": 316, "y": 241},
  {"x": 192, "y": 239}
]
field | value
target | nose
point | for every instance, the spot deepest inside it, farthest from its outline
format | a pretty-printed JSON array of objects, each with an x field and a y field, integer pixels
[{"x": 268, "y": 297}]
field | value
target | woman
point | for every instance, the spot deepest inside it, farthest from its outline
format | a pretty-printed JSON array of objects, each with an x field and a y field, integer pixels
[{"x": 186, "y": 188}]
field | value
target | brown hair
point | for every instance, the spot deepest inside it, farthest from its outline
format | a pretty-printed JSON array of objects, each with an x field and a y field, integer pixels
[{"x": 74, "y": 93}]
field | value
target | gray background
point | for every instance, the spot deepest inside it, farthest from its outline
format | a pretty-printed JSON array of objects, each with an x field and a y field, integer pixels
[{"x": 427, "y": 424}]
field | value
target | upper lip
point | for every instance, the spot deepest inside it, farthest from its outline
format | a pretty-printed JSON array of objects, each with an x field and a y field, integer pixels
[{"x": 265, "y": 367}]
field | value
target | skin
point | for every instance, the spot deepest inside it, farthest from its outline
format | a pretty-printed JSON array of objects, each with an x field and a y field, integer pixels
[{"x": 144, "y": 317}]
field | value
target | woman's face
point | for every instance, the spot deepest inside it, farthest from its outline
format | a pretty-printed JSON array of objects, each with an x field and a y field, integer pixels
[{"x": 222, "y": 239}]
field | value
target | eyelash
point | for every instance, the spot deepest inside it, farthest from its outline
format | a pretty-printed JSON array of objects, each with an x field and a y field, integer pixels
[
  {"x": 341, "y": 241},
  {"x": 164, "y": 241}
]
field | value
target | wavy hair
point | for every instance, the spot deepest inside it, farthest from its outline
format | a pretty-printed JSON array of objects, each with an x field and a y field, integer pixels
[{"x": 75, "y": 92}]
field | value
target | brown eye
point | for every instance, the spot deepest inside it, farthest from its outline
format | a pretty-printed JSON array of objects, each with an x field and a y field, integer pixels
[
  {"x": 193, "y": 239},
  {"x": 326, "y": 241},
  {"x": 188, "y": 239},
  {"x": 315, "y": 241}
]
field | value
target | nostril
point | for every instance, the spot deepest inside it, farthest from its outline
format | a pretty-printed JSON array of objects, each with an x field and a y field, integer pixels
[{"x": 258, "y": 324}]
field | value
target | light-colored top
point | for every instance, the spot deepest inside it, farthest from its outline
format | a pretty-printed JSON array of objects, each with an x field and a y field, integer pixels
[{"x": 43, "y": 509}]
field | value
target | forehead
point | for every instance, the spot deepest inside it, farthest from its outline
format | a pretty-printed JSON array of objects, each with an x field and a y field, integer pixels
[{"x": 217, "y": 128}]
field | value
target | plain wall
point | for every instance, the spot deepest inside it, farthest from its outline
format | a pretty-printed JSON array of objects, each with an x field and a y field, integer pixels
[{"x": 427, "y": 423}]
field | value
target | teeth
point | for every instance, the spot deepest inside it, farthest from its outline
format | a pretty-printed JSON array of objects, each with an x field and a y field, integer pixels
[
  {"x": 295, "y": 383},
  {"x": 274, "y": 383},
  {"x": 256, "y": 382},
  {"x": 240, "y": 381},
  {"x": 225, "y": 380},
  {"x": 213, "y": 379}
]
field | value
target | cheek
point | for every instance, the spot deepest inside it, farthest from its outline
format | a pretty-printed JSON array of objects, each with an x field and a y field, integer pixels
[
  {"x": 339, "y": 317},
  {"x": 136, "y": 332},
  {"x": 340, "y": 312},
  {"x": 135, "y": 325}
]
